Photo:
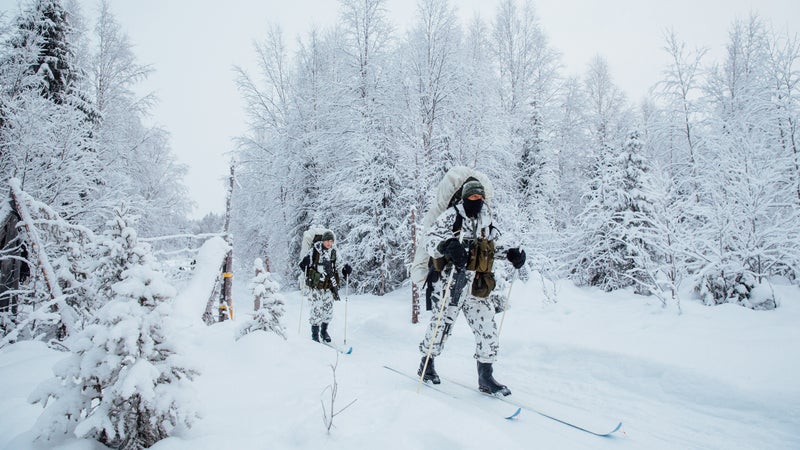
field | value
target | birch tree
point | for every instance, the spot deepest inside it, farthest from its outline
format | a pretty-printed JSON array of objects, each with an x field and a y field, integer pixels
[
  {"x": 748, "y": 230},
  {"x": 139, "y": 167},
  {"x": 528, "y": 77},
  {"x": 373, "y": 214}
]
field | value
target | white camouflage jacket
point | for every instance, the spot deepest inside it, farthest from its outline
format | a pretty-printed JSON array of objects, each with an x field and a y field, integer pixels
[{"x": 472, "y": 229}]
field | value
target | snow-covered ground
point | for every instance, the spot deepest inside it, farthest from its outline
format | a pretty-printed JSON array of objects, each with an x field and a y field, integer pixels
[{"x": 712, "y": 378}]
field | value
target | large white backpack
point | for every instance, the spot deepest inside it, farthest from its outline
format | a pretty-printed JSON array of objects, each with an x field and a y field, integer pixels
[
  {"x": 445, "y": 196},
  {"x": 310, "y": 236}
]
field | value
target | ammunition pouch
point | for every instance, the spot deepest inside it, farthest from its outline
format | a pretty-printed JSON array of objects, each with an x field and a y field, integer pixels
[
  {"x": 314, "y": 280},
  {"x": 483, "y": 284},
  {"x": 438, "y": 263},
  {"x": 481, "y": 256},
  {"x": 480, "y": 261}
]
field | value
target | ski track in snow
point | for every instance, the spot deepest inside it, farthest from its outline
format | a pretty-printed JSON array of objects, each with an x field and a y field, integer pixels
[
  {"x": 653, "y": 399},
  {"x": 660, "y": 405},
  {"x": 264, "y": 392}
]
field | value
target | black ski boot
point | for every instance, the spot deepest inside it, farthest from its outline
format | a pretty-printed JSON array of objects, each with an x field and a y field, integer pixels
[
  {"x": 323, "y": 332},
  {"x": 315, "y": 333},
  {"x": 486, "y": 382},
  {"x": 430, "y": 372}
]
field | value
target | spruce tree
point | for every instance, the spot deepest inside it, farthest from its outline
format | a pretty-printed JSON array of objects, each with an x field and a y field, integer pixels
[
  {"x": 46, "y": 125},
  {"x": 46, "y": 22},
  {"x": 270, "y": 304},
  {"x": 613, "y": 248},
  {"x": 124, "y": 384}
]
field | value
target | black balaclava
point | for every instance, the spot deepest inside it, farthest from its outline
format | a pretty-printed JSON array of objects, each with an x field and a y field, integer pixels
[{"x": 473, "y": 207}]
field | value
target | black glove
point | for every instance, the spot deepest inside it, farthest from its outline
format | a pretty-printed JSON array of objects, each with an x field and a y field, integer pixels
[
  {"x": 516, "y": 257},
  {"x": 305, "y": 262},
  {"x": 335, "y": 293},
  {"x": 454, "y": 252},
  {"x": 346, "y": 271}
]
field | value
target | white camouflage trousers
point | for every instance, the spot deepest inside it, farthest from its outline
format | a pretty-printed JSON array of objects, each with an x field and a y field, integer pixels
[
  {"x": 480, "y": 317},
  {"x": 321, "y": 301}
]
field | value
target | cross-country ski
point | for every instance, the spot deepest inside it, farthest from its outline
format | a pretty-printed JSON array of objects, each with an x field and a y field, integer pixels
[
  {"x": 585, "y": 422},
  {"x": 457, "y": 395},
  {"x": 340, "y": 348}
]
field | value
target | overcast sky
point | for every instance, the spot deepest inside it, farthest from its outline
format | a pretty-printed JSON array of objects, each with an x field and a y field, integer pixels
[{"x": 193, "y": 44}]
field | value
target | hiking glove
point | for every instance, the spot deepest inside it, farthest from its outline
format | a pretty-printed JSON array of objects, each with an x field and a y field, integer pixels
[
  {"x": 516, "y": 257},
  {"x": 305, "y": 262},
  {"x": 454, "y": 252},
  {"x": 346, "y": 271}
]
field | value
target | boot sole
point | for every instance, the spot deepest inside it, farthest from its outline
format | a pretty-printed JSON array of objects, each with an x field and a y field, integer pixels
[
  {"x": 487, "y": 390},
  {"x": 432, "y": 380}
]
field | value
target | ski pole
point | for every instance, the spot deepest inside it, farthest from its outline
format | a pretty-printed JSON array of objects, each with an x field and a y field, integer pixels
[
  {"x": 346, "y": 293},
  {"x": 302, "y": 296},
  {"x": 506, "y": 303},
  {"x": 445, "y": 296}
]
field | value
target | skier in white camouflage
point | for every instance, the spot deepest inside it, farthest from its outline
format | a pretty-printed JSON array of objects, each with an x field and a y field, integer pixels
[
  {"x": 322, "y": 279},
  {"x": 462, "y": 242}
]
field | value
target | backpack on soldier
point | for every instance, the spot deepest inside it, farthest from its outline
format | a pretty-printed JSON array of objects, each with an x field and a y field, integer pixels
[
  {"x": 311, "y": 276},
  {"x": 312, "y": 235},
  {"x": 447, "y": 195}
]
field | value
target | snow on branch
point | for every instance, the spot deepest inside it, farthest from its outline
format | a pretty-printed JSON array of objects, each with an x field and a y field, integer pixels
[
  {"x": 67, "y": 313},
  {"x": 182, "y": 236}
]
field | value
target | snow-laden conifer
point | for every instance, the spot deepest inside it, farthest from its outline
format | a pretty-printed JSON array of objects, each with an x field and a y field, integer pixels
[
  {"x": 124, "y": 383},
  {"x": 613, "y": 248},
  {"x": 269, "y": 303}
]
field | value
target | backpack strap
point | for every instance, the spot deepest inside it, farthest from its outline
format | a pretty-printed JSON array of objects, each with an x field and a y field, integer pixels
[
  {"x": 319, "y": 282},
  {"x": 458, "y": 223},
  {"x": 315, "y": 255}
]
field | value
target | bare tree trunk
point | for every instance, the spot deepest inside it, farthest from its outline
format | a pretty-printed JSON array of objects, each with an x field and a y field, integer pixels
[
  {"x": 226, "y": 300},
  {"x": 208, "y": 314},
  {"x": 257, "y": 300},
  {"x": 11, "y": 271}
]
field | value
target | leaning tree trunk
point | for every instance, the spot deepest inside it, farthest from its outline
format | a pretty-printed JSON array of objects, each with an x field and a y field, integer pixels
[
  {"x": 67, "y": 314},
  {"x": 226, "y": 300}
]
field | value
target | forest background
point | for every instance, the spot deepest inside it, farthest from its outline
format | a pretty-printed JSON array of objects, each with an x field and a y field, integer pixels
[{"x": 699, "y": 183}]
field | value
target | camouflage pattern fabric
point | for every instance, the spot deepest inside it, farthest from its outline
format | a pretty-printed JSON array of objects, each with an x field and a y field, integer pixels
[{"x": 321, "y": 301}]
